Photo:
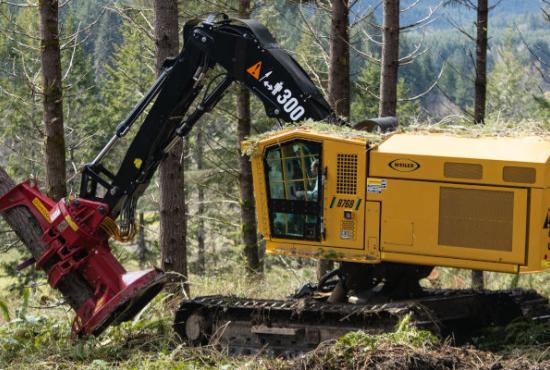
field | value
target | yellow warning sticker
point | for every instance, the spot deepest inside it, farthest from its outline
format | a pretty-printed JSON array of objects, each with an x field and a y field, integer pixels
[
  {"x": 138, "y": 162},
  {"x": 71, "y": 223},
  {"x": 42, "y": 209},
  {"x": 255, "y": 70}
]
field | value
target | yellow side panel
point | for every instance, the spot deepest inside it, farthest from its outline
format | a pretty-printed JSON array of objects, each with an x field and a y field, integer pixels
[
  {"x": 344, "y": 194},
  {"x": 448, "y": 169},
  {"x": 538, "y": 254},
  {"x": 465, "y": 222},
  {"x": 448, "y": 262},
  {"x": 308, "y": 249}
]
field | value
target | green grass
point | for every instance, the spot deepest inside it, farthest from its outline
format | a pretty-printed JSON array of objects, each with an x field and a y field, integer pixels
[{"x": 37, "y": 338}]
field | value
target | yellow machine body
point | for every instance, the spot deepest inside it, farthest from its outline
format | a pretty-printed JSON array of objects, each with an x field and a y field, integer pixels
[{"x": 477, "y": 203}]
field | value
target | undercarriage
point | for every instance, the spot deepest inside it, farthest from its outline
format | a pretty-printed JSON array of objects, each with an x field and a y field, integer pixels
[{"x": 341, "y": 303}]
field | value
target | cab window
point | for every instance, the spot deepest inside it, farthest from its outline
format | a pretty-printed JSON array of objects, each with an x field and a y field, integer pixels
[{"x": 293, "y": 178}]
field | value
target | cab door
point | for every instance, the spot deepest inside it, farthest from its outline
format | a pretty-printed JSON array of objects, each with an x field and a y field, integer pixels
[{"x": 294, "y": 191}]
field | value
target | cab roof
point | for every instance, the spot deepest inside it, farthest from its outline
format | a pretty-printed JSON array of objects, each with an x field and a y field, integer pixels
[{"x": 532, "y": 149}]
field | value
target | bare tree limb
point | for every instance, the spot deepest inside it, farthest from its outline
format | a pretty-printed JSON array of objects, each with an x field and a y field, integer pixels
[
  {"x": 535, "y": 55},
  {"x": 424, "y": 21},
  {"x": 367, "y": 15},
  {"x": 427, "y": 91},
  {"x": 72, "y": 54},
  {"x": 413, "y": 5},
  {"x": 313, "y": 33},
  {"x": 461, "y": 30},
  {"x": 464, "y": 110},
  {"x": 472, "y": 80},
  {"x": 371, "y": 39},
  {"x": 27, "y": 4},
  {"x": 494, "y": 5},
  {"x": 122, "y": 13},
  {"x": 86, "y": 28},
  {"x": 409, "y": 58},
  {"x": 546, "y": 12},
  {"x": 466, "y": 3}
]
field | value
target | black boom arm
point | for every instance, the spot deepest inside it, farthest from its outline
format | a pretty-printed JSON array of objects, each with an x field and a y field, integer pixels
[{"x": 250, "y": 56}]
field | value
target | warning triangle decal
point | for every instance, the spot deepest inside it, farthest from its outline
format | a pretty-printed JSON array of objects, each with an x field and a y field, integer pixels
[{"x": 255, "y": 70}]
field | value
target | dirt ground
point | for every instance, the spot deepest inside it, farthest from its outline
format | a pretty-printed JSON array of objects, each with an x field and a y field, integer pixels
[{"x": 398, "y": 357}]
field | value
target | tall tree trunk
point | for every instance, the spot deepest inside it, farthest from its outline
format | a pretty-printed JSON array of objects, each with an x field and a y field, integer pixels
[
  {"x": 56, "y": 187},
  {"x": 481, "y": 61},
  {"x": 248, "y": 208},
  {"x": 201, "y": 268},
  {"x": 480, "y": 89},
  {"x": 390, "y": 59},
  {"x": 338, "y": 79},
  {"x": 142, "y": 247},
  {"x": 477, "y": 279},
  {"x": 73, "y": 287},
  {"x": 173, "y": 222}
]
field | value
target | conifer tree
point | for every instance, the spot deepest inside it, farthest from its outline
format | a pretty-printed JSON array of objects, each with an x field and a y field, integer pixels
[
  {"x": 52, "y": 91},
  {"x": 173, "y": 222},
  {"x": 248, "y": 209}
]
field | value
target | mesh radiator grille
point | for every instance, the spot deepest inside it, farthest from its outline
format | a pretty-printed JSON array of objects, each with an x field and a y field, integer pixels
[
  {"x": 474, "y": 218},
  {"x": 346, "y": 174}
]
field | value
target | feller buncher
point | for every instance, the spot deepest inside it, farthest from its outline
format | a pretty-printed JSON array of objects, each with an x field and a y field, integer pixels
[{"x": 386, "y": 212}]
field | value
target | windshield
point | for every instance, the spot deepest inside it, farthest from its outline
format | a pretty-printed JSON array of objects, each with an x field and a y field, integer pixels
[{"x": 293, "y": 175}]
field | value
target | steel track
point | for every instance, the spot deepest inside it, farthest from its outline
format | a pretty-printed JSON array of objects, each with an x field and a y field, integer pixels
[{"x": 295, "y": 326}]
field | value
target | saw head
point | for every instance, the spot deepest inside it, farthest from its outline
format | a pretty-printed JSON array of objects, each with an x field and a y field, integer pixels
[{"x": 78, "y": 260}]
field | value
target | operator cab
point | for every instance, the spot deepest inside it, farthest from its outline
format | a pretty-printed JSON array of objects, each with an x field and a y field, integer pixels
[
  {"x": 294, "y": 190},
  {"x": 309, "y": 190}
]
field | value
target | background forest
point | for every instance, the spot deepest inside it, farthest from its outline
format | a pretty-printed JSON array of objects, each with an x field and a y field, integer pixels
[{"x": 108, "y": 63}]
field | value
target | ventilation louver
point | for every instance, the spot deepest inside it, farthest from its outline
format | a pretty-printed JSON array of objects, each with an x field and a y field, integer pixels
[{"x": 346, "y": 174}]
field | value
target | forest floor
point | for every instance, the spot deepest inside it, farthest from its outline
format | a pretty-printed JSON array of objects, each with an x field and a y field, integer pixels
[{"x": 35, "y": 333}]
